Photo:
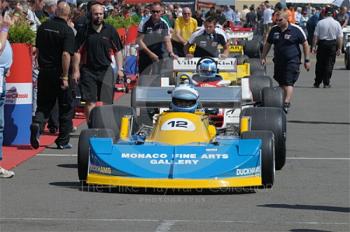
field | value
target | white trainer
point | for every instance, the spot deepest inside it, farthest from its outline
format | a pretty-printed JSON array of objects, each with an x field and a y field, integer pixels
[{"x": 6, "y": 173}]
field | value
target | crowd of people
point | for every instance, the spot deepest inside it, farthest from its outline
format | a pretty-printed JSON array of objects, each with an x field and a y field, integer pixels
[{"x": 74, "y": 46}]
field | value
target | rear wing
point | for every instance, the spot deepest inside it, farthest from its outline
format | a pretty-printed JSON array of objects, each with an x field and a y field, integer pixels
[
  {"x": 183, "y": 64},
  {"x": 160, "y": 97}
]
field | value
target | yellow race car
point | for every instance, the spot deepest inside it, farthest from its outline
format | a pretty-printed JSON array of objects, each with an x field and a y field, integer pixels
[{"x": 181, "y": 150}]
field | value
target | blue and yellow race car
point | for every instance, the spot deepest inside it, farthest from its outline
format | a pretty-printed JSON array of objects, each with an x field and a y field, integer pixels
[{"x": 181, "y": 150}]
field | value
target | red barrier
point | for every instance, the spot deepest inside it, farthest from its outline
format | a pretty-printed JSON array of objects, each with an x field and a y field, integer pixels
[
  {"x": 18, "y": 103},
  {"x": 21, "y": 69},
  {"x": 122, "y": 34}
]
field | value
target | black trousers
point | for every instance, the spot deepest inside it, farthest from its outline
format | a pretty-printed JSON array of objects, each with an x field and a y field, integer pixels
[
  {"x": 49, "y": 91},
  {"x": 147, "y": 66},
  {"x": 53, "y": 121},
  {"x": 326, "y": 53}
]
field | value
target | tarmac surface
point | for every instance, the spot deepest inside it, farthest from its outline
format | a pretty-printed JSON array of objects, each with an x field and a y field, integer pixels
[{"x": 311, "y": 193}]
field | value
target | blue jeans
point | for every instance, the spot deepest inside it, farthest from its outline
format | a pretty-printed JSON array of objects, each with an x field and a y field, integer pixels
[{"x": 2, "y": 104}]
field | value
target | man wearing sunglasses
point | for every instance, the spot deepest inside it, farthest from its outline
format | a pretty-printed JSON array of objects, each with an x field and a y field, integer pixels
[
  {"x": 286, "y": 39},
  {"x": 153, "y": 34}
]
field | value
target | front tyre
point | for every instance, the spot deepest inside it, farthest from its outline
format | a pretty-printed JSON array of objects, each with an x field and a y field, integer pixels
[
  {"x": 84, "y": 149},
  {"x": 271, "y": 119},
  {"x": 267, "y": 154}
]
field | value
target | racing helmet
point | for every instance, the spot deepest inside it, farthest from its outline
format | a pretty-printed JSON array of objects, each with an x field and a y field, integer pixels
[
  {"x": 184, "y": 78},
  {"x": 184, "y": 98},
  {"x": 207, "y": 68}
]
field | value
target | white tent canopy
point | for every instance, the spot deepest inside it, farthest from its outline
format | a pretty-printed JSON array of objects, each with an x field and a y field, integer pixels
[
  {"x": 311, "y": 1},
  {"x": 333, "y": 2},
  {"x": 220, "y": 2},
  {"x": 341, "y": 3}
]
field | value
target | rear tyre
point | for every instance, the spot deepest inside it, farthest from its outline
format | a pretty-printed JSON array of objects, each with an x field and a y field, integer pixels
[
  {"x": 252, "y": 48},
  {"x": 267, "y": 154},
  {"x": 347, "y": 58},
  {"x": 242, "y": 59},
  {"x": 257, "y": 83},
  {"x": 272, "y": 97},
  {"x": 271, "y": 119},
  {"x": 109, "y": 116},
  {"x": 84, "y": 149},
  {"x": 256, "y": 68}
]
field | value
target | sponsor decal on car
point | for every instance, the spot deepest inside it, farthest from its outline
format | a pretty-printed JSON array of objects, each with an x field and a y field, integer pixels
[
  {"x": 178, "y": 159},
  {"x": 248, "y": 171},
  {"x": 100, "y": 169}
]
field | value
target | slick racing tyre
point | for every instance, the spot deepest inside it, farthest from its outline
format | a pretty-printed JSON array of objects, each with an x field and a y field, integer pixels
[
  {"x": 241, "y": 59},
  {"x": 272, "y": 97},
  {"x": 256, "y": 68},
  {"x": 267, "y": 154},
  {"x": 84, "y": 149},
  {"x": 271, "y": 119},
  {"x": 257, "y": 84},
  {"x": 347, "y": 58},
  {"x": 109, "y": 116},
  {"x": 252, "y": 48}
]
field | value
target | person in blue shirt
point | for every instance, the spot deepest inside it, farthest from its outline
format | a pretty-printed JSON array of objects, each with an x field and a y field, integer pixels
[
  {"x": 311, "y": 25},
  {"x": 5, "y": 64}
]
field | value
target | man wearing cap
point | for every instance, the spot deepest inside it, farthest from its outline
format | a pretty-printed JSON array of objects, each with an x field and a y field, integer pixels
[{"x": 328, "y": 39}]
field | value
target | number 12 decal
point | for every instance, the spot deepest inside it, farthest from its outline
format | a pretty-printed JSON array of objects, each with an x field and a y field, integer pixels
[{"x": 178, "y": 124}]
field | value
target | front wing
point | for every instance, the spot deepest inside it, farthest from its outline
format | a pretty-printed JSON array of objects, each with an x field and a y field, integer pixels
[{"x": 235, "y": 163}]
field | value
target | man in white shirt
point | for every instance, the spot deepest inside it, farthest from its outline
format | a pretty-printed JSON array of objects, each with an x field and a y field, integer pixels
[
  {"x": 267, "y": 20},
  {"x": 328, "y": 39},
  {"x": 244, "y": 13}
]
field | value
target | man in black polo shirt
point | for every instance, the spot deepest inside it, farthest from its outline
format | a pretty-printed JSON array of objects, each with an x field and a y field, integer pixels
[
  {"x": 55, "y": 44},
  {"x": 286, "y": 39},
  {"x": 207, "y": 41},
  {"x": 94, "y": 47},
  {"x": 153, "y": 32}
]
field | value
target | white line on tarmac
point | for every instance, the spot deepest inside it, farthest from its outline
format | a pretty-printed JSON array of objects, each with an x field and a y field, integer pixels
[
  {"x": 288, "y": 158},
  {"x": 317, "y": 158},
  {"x": 167, "y": 223},
  {"x": 57, "y": 155}
]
